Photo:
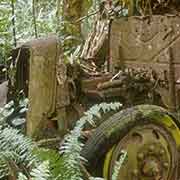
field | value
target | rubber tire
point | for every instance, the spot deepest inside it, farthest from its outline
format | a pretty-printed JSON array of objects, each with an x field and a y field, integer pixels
[{"x": 115, "y": 128}]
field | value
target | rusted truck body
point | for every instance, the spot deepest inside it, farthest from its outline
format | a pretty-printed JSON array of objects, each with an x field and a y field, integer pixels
[
  {"x": 61, "y": 92},
  {"x": 151, "y": 43}
]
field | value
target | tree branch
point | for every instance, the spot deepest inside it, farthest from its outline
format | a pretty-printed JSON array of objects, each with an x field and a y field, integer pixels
[{"x": 34, "y": 18}]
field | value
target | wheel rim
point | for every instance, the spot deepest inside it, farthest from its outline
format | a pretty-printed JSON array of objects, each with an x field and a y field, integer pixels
[{"x": 151, "y": 154}]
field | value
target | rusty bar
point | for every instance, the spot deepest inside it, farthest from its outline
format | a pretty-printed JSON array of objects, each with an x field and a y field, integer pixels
[
  {"x": 110, "y": 84},
  {"x": 172, "y": 88},
  {"x": 109, "y": 46}
]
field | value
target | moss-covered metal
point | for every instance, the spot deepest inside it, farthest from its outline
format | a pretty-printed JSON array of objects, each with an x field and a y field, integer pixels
[{"x": 116, "y": 127}]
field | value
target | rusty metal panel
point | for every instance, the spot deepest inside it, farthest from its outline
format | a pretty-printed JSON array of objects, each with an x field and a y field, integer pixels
[
  {"x": 147, "y": 42},
  {"x": 44, "y": 54},
  {"x": 40, "y": 71}
]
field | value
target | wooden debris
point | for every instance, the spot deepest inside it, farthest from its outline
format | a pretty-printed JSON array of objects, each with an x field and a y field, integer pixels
[{"x": 110, "y": 84}]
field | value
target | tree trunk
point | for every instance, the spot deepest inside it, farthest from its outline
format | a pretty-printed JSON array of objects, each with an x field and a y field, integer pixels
[{"x": 72, "y": 11}]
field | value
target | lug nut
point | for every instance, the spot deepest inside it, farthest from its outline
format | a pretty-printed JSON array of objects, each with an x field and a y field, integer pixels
[
  {"x": 140, "y": 156},
  {"x": 162, "y": 152},
  {"x": 152, "y": 148},
  {"x": 156, "y": 171},
  {"x": 166, "y": 165},
  {"x": 135, "y": 172}
]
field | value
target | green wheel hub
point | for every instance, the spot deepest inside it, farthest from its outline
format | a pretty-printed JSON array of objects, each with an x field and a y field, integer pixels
[
  {"x": 151, "y": 154},
  {"x": 148, "y": 134}
]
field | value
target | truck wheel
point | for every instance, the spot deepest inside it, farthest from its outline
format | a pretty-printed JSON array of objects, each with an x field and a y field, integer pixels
[{"x": 148, "y": 134}]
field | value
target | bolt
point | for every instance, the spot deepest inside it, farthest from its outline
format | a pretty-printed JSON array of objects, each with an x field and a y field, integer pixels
[
  {"x": 135, "y": 172},
  {"x": 156, "y": 171},
  {"x": 166, "y": 165},
  {"x": 162, "y": 152},
  {"x": 152, "y": 148},
  {"x": 150, "y": 47},
  {"x": 140, "y": 156}
]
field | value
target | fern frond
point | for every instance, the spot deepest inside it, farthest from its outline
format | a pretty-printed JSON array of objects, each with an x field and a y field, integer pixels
[
  {"x": 14, "y": 115},
  {"x": 6, "y": 111},
  {"x": 54, "y": 158},
  {"x": 19, "y": 150},
  {"x": 15, "y": 150},
  {"x": 21, "y": 176},
  {"x": 118, "y": 165},
  {"x": 72, "y": 147},
  {"x": 42, "y": 172},
  {"x": 7, "y": 163},
  {"x": 12, "y": 140}
]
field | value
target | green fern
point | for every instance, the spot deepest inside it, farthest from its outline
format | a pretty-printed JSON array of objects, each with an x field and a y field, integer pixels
[
  {"x": 18, "y": 153},
  {"x": 11, "y": 113},
  {"x": 21, "y": 176},
  {"x": 67, "y": 165},
  {"x": 72, "y": 147},
  {"x": 6, "y": 159},
  {"x": 6, "y": 111},
  {"x": 42, "y": 172},
  {"x": 118, "y": 165},
  {"x": 56, "y": 162},
  {"x": 15, "y": 151}
]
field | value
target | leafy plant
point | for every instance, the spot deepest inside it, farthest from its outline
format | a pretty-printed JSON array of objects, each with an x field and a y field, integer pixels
[
  {"x": 119, "y": 164},
  {"x": 72, "y": 147},
  {"x": 20, "y": 156},
  {"x": 5, "y": 30},
  {"x": 41, "y": 172},
  {"x": 56, "y": 162},
  {"x": 67, "y": 164},
  {"x": 15, "y": 149},
  {"x": 44, "y": 15},
  {"x": 15, "y": 152},
  {"x": 13, "y": 114}
]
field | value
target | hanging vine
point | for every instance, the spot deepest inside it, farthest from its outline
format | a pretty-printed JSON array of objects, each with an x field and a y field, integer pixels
[{"x": 13, "y": 22}]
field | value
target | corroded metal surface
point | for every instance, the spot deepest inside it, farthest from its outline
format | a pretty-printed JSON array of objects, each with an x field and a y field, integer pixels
[
  {"x": 145, "y": 42},
  {"x": 41, "y": 73},
  {"x": 42, "y": 82},
  {"x": 35, "y": 73},
  {"x": 151, "y": 155}
]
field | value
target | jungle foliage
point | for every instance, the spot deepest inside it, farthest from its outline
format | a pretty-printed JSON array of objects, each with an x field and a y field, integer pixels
[
  {"x": 22, "y": 158},
  {"x": 22, "y": 20}
]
